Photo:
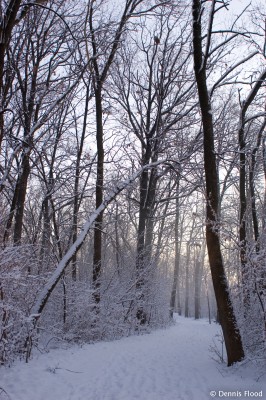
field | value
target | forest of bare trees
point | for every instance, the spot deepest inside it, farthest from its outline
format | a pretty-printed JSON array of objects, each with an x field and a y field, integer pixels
[{"x": 132, "y": 170}]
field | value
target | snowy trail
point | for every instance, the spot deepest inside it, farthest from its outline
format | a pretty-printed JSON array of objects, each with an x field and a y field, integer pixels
[{"x": 170, "y": 364}]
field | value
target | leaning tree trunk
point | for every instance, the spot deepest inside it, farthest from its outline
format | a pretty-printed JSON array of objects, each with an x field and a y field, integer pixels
[{"x": 231, "y": 333}]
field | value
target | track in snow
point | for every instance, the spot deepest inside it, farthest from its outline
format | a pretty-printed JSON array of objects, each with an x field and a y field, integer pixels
[{"x": 170, "y": 364}]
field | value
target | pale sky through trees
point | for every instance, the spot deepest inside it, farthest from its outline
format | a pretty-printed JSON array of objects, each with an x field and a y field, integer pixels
[{"x": 132, "y": 169}]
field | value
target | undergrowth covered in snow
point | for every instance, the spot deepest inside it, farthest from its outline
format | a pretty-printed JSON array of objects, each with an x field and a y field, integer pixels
[{"x": 175, "y": 363}]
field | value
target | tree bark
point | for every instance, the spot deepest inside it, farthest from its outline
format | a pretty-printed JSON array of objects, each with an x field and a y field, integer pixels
[
  {"x": 97, "y": 254},
  {"x": 233, "y": 342},
  {"x": 242, "y": 211},
  {"x": 7, "y": 24},
  {"x": 197, "y": 285},
  {"x": 252, "y": 185},
  {"x": 187, "y": 281},
  {"x": 242, "y": 188},
  {"x": 21, "y": 189},
  {"x": 175, "y": 286},
  {"x": 76, "y": 184},
  {"x": 99, "y": 77},
  {"x": 148, "y": 183}
]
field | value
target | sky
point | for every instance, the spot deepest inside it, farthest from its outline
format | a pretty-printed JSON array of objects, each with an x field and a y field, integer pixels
[{"x": 237, "y": 6}]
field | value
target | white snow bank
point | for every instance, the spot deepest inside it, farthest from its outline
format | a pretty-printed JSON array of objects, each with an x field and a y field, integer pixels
[{"x": 170, "y": 364}]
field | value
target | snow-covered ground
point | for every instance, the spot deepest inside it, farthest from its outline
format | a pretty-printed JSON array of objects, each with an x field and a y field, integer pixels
[{"x": 170, "y": 364}]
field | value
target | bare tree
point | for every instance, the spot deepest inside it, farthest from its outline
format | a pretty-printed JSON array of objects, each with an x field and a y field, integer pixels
[
  {"x": 231, "y": 332},
  {"x": 245, "y": 104},
  {"x": 38, "y": 93},
  {"x": 8, "y": 20},
  {"x": 145, "y": 83},
  {"x": 101, "y": 57}
]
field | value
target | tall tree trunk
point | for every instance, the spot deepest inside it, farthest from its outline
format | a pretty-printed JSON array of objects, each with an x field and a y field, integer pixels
[
  {"x": 76, "y": 184},
  {"x": 28, "y": 101},
  {"x": 8, "y": 21},
  {"x": 198, "y": 270},
  {"x": 21, "y": 197},
  {"x": 100, "y": 71},
  {"x": 233, "y": 342},
  {"x": 150, "y": 204},
  {"x": 97, "y": 254},
  {"x": 11, "y": 215},
  {"x": 175, "y": 286},
  {"x": 143, "y": 214},
  {"x": 208, "y": 298},
  {"x": 187, "y": 281},
  {"x": 188, "y": 261},
  {"x": 117, "y": 243},
  {"x": 242, "y": 187},
  {"x": 200, "y": 267},
  {"x": 242, "y": 210},
  {"x": 46, "y": 233},
  {"x": 140, "y": 260},
  {"x": 144, "y": 207},
  {"x": 252, "y": 185}
]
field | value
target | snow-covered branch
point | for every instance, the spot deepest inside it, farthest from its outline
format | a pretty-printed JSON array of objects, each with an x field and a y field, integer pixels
[
  {"x": 62, "y": 265},
  {"x": 38, "y": 125},
  {"x": 254, "y": 91},
  {"x": 231, "y": 69}
]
